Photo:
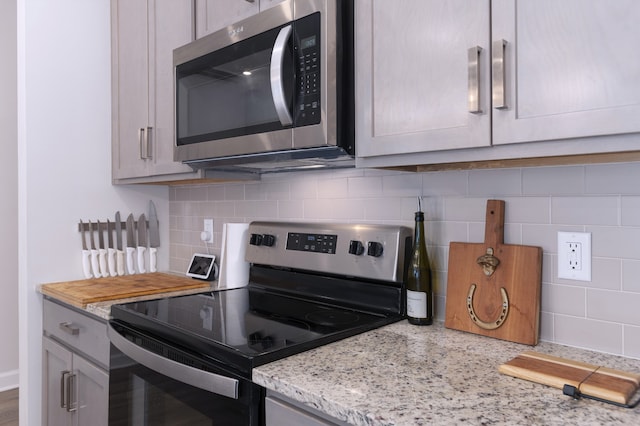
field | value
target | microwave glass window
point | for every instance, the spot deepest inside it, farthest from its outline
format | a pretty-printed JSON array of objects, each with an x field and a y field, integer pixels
[{"x": 227, "y": 93}]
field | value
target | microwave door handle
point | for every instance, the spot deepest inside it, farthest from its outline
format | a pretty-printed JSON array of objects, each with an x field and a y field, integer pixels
[
  {"x": 277, "y": 85},
  {"x": 201, "y": 379}
]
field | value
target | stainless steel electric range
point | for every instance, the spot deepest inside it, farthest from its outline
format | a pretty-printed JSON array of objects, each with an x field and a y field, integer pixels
[{"x": 188, "y": 360}]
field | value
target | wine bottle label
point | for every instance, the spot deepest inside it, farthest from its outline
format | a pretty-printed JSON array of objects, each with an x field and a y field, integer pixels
[{"x": 416, "y": 304}]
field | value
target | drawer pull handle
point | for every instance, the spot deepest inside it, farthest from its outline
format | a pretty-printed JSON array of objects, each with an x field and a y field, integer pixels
[{"x": 69, "y": 328}]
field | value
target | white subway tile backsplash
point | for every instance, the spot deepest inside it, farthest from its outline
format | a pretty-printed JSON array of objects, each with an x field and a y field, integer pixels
[
  {"x": 630, "y": 211},
  {"x": 584, "y": 210},
  {"x": 495, "y": 182},
  {"x": 290, "y": 209},
  {"x": 563, "y": 300},
  {"x": 451, "y": 183},
  {"x": 349, "y": 210},
  {"x": 612, "y": 178},
  {"x": 632, "y": 341},
  {"x": 382, "y": 209},
  {"x": 465, "y": 209},
  {"x": 527, "y": 210},
  {"x": 234, "y": 191},
  {"x": 601, "y": 199},
  {"x": 606, "y": 273},
  {"x": 333, "y": 188},
  {"x": 367, "y": 186},
  {"x": 553, "y": 181},
  {"x": 402, "y": 185},
  {"x": 614, "y": 306},
  {"x": 215, "y": 192},
  {"x": 631, "y": 275},
  {"x": 616, "y": 242},
  {"x": 587, "y": 333}
]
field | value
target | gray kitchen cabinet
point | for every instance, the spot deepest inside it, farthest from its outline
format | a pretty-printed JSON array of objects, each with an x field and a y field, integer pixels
[
  {"x": 212, "y": 15},
  {"x": 411, "y": 75},
  {"x": 283, "y": 411},
  {"x": 75, "y": 361},
  {"x": 430, "y": 75},
  {"x": 143, "y": 36}
]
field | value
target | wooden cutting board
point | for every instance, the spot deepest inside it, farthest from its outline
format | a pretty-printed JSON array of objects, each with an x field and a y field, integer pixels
[
  {"x": 504, "y": 304},
  {"x": 612, "y": 385},
  {"x": 82, "y": 292}
]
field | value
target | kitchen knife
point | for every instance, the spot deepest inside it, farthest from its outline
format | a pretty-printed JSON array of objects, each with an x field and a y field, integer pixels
[
  {"x": 102, "y": 253},
  {"x": 111, "y": 252},
  {"x": 131, "y": 244},
  {"x": 142, "y": 242},
  {"x": 86, "y": 254},
  {"x": 95, "y": 266},
  {"x": 154, "y": 237},
  {"x": 119, "y": 252}
]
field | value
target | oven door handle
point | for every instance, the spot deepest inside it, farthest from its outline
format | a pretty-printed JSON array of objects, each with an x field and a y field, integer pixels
[
  {"x": 210, "y": 382},
  {"x": 276, "y": 72}
]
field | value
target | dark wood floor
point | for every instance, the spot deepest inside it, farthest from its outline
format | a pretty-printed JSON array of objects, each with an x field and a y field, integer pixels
[{"x": 9, "y": 408}]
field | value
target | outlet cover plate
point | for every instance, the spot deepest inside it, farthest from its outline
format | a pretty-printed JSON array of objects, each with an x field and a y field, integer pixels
[{"x": 574, "y": 256}]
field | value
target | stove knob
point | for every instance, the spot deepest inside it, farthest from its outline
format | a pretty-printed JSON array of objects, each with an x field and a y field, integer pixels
[
  {"x": 374, "y": 249},
  {"x": 268, "y": 240},
  {"x": 255, "y": 240},
  {"x": 356, "y": 247}
]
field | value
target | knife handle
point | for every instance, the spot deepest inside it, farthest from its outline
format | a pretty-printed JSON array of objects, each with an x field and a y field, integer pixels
[
  {"x": 102, "y": 260},
  {"x": 120, "y": 262},
  {"x": 95, "y": 266},
  {"x": 131, "y": 269},
  {"x": 153, "y": 259},
  {"x": 141, "y": 251},
  {"x": 111, "y": 261},
  {"x": 86, "y": 264}
]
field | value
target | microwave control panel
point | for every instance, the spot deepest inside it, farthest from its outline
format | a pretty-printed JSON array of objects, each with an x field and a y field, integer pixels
[{"x": 308, "y": 79}]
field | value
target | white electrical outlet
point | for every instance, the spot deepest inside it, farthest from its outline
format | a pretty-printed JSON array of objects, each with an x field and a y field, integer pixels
[
  {"x": 574, "y": 255},
  {"x": 207, "y": 233}
]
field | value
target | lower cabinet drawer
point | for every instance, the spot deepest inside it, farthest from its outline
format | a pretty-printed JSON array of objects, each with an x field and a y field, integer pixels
[
  {"x": 82, "y": 332},
  {"x": 282, "y": 413}
]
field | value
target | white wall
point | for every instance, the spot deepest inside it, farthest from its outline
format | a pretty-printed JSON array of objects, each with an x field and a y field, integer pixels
[
  {"x": 64, "y": 148},
  {"x": 9, "y": 197}
]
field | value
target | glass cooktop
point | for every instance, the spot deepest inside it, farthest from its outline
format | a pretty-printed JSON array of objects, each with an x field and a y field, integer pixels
[{"x": 245, "y": 327}]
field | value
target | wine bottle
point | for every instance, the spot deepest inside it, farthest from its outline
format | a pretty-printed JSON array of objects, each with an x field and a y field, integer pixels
[{"x": 419, "y": 290}]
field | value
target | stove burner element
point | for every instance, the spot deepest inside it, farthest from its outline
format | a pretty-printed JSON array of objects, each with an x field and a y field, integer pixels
[{"x": 332, "y": 317}]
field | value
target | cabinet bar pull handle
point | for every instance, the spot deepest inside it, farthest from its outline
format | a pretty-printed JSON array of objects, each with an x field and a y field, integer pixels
[
  {"x": 69, "y": 394},
  {"x": 149, "y": 143},
  {"x": 69, "y": 328},
  {"x": 63, "y": 393},
  {"x": 142, "y": 142},
  {"x": 498, "y": 74},
  {"x": 473, "y": 56}
]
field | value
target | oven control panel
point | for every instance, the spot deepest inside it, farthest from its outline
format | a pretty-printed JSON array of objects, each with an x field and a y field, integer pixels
[{"x": 366, "y": 251}]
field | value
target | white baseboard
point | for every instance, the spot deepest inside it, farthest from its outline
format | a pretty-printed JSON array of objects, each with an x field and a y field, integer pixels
[{"x": 9, "y": 380}]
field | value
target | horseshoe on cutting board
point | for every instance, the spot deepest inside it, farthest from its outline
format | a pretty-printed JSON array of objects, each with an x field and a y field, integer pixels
[{"x": 505, "y": 302}]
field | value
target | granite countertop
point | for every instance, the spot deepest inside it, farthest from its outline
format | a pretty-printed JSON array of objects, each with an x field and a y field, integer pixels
[{"x": 407, "y": 375}]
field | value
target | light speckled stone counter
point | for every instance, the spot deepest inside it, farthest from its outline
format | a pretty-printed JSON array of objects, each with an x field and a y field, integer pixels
[{"x": 407, "y": 375}]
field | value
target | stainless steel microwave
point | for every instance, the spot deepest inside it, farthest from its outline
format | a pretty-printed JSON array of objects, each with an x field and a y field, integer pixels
[{"x": 274, "y": 91}]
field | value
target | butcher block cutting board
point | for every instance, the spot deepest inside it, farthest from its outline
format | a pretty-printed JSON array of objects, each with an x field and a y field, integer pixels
[
  {"x": 493, "y": 289},
  {"x": 82, "y": 292},
  {"x": 601, "y": 382}
]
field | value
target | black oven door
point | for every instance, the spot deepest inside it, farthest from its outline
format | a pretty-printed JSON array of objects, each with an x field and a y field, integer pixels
[{"x": 152, "y": 383}]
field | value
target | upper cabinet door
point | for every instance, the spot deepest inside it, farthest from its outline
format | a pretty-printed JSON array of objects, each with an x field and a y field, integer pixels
[
  {"x": 571, "y": 68},
  {"x": 171, "y": 26},
  {"x": 420, "y": 65},
  {"x": 130, "y": 86},
  {"x": 144, "y": 34}
]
